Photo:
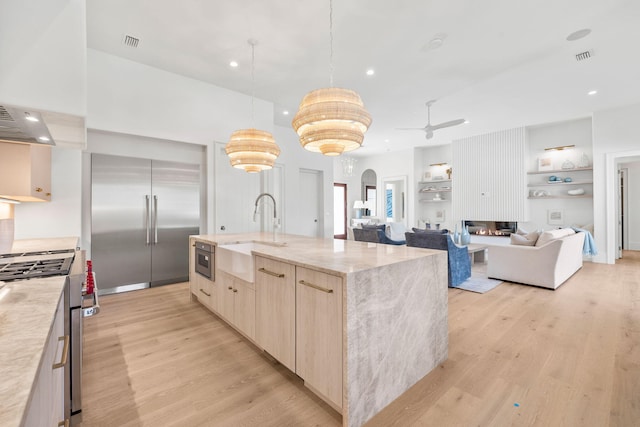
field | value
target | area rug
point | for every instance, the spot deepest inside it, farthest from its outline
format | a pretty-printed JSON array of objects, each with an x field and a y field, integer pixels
[{"x": 478, "y": 282}]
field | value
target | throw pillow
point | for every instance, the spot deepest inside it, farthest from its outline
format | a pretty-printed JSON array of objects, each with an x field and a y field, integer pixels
[
  {"x": 396, "y": 230},
  {"x": 422, "y": 230},
  {"x": 548, "y": 236},
  {"x": 518, "y": 239},
  {"x": 374, "y": 226}
]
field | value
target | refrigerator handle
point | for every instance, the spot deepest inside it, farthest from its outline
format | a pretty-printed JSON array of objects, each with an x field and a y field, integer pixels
[
  {"x": 146, "y": 216},
  {"x": 155, "y": 219}
]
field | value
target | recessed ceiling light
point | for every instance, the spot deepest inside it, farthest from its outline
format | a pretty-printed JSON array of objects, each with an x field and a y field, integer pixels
[
  {"x": 592, "y": 92},
  {"x": 577, "y": 35},
  {"x": 30, "y": 117},
  {"x": 43, "y": 138},
  {"x": 466, "y": 122},
  {"x": 233, "y": 64},
  {"x": 386, "y": 140},
  {"x": 370, "y": 72},
  {"x": 285, "y": 112}
]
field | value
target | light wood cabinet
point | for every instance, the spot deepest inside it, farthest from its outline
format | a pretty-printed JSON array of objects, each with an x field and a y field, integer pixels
[
  {"x": 276, "y": 309},
  {"x": 25, "y": 172},
  {"x": 202, "y": 289},
  {"x": 237, "y": 303},
  {"x": 46, "y": 407},
  {"x": 319, "y": 332}
]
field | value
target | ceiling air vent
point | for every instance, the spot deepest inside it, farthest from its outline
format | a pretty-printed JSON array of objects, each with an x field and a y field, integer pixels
[
  {"x": 4, "y": 115},
  {"x": 131, "y": 41},
  {"x": 584, "y": 55}
]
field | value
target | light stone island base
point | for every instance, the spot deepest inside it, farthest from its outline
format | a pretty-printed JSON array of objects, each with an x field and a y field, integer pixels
[{"x": 396, "y": 332}]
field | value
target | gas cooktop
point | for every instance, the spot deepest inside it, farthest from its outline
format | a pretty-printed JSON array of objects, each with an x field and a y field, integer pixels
[{"x": 28, "y": 265}]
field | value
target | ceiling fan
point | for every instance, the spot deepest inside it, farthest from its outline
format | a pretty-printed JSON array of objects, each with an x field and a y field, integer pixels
[{"x": 429, "y": 128}]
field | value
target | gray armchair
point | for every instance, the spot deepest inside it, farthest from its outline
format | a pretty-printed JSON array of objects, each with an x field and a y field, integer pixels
[
  {"x": 458, "y": 262},
  {"x": 374, "y": 235}
]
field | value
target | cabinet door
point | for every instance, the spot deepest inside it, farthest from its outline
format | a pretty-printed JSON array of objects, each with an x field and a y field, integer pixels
[
  {"x": 41, "y": 172},
  {"x": 244, "y": 308},
  {"x": 319, "y": 332},
  {"x": 46, "y": 407},
  {"x": 25, "y": 172},
  {"x": 275, "y": 309},
  {"x": 225, "y": 295}
]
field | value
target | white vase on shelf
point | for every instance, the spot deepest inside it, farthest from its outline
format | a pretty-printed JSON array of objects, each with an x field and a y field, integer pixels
[{"x": 584, "y": 161}]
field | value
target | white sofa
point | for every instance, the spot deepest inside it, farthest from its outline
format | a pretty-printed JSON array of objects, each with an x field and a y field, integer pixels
[{"x": 548, "y": 264}]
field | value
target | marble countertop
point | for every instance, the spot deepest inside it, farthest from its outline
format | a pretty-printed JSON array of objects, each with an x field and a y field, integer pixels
[
  {"x": 329, "y": 255},
  {"x": 27, "y": 311},
  {"x": 52, "y": 243}
]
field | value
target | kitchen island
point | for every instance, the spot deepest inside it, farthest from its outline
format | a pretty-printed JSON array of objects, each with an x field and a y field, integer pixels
[
  {"x": 28, "y": 309},
  {"x": 372, "y": 315}
]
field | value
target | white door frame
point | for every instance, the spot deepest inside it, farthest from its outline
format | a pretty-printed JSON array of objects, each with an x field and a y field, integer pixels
[{"x": 611, "y": 200}]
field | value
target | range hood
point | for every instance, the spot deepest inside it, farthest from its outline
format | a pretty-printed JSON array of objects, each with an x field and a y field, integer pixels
[{"x": 23, "y": 125}]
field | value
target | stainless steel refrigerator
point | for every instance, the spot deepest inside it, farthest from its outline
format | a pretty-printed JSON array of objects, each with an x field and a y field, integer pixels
[{"x": 142, "y": 213}]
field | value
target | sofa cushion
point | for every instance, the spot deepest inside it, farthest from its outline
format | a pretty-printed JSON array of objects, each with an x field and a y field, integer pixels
[
  {"x": 550, "y": 235},
  {"x": 518, "y": 239}
]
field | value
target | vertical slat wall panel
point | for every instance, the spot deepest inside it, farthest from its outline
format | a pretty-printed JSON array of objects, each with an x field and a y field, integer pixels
[{"x": 489, "y": 177}]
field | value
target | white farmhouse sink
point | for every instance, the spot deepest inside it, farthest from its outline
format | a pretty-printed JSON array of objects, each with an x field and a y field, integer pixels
[{"x": 236, "y": 259}]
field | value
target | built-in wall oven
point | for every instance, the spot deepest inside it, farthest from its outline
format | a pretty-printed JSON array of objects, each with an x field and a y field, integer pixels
[{"x": 204, "y": 260}]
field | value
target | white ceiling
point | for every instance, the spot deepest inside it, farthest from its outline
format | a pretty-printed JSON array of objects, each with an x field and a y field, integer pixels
[{"x": 504, "y": 63}]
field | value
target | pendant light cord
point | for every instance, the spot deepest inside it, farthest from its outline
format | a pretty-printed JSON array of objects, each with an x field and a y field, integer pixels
[
  {"x": 330, "y": 43},
  {"x": 253, "y": 80}
]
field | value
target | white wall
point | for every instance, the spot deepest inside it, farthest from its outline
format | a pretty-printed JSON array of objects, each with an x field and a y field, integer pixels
[
  {"x": 132, "y": 98},
  {"x": 490, "y": 180},
  {"x": 615, "y": 136},
  {"x": 43, "y": 54}
]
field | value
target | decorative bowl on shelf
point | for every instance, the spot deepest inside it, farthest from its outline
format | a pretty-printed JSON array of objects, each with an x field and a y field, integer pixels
[
  {"x": 576, "y": 192},
  {"x": 568, "y": 179}
]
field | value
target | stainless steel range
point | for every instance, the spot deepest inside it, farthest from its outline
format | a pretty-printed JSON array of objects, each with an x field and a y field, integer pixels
[
  {"x": 70, "y": 263},
  {"x": 27, "y": 265}
]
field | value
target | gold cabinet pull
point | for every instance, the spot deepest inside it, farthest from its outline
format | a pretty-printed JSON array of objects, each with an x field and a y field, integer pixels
[
  {"x": 48, "y": 194},
  {"x": 204, "y": 292},
  {"x": 264, "y": 270},
  {"x": 65, "y": 352},
  {"x": 39, "y": 190},
  {"x": 64, "y": 423},
  {"x": 235, "y": 290},
  {"x": 311, "y": 285},
  {"x": 230, "y": 288}
]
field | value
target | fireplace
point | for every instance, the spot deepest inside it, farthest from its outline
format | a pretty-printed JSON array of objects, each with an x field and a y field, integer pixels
[{"x": 491, "y": 228}]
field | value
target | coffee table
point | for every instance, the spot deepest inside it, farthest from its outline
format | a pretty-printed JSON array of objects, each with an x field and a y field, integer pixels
[{"x": 477, "y": 252}]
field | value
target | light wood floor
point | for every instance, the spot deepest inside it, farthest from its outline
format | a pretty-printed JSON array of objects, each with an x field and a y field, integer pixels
[{"x": 518, "y": 356}]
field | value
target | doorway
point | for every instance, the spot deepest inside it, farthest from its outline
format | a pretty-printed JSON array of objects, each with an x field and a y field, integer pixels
[{"x": 339, "y": 211}]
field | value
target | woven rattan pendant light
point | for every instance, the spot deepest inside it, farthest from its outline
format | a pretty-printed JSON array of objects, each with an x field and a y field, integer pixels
[
  {"x": 331, "y": 120},
  {"x": 251, "y": 149}
]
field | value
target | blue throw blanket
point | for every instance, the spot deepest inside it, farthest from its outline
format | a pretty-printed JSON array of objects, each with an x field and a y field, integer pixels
[{"x": 589, "y": 247}]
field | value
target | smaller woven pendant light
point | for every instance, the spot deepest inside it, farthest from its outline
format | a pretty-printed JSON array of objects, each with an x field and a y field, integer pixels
[{"x": 251, "y": 149}]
